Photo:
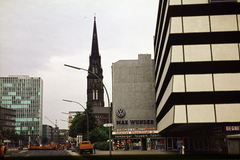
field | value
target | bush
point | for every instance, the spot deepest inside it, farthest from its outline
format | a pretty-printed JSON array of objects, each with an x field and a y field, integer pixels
[{"x": 102, "y": 145}]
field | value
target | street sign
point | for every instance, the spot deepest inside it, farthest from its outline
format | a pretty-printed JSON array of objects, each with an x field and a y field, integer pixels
[
  {"x": 108, "y": 125},
  {"x": 6, "y": 141}
]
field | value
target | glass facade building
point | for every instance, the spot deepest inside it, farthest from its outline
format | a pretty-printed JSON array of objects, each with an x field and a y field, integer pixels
[{"x": 25, "y": 95}]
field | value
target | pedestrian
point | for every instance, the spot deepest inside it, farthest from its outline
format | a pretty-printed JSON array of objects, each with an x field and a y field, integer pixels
[
  {"x": 93, "y": 148},
  {"x": 182, "y": 146},
  {"x": 125, "y": 145},
  {"x": 179, "y": 146}
]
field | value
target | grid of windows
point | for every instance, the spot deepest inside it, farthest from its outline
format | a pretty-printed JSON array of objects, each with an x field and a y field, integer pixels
[
  {"x": 211, "y": 23},
  {"x": 24, "y": 94}
]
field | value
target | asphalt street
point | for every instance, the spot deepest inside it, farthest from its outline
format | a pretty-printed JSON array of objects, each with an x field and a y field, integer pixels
[{"x": 29, "y": 153}]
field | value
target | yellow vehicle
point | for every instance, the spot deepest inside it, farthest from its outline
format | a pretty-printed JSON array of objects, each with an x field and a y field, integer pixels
[{"x": 85, "y": 146}]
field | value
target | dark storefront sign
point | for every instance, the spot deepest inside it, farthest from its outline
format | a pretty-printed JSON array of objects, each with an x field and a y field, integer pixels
[
  {"x": 232, "y": 128},
  {"x": 125, "y": 122}
]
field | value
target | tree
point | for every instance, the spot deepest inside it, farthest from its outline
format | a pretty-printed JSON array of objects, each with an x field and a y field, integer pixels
[
  {"x": 79, "y": 123},
  {"x": 99, "y": 134},
  {"x": 10, "y": 134}
]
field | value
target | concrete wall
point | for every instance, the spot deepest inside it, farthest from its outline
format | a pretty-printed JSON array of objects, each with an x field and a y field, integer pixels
[{"x": 133, "y": 90}]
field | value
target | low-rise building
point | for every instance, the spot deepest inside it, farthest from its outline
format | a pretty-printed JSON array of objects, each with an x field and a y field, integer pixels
[
  {"x": 47, "y": 132},
  {"x": 7, "y": 118}
]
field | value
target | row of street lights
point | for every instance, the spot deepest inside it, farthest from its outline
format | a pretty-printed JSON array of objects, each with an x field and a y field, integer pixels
[{"x": 109, "y": 110}]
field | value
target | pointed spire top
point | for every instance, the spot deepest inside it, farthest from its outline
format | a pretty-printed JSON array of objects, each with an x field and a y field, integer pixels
[{"x": 94, "y": 38}]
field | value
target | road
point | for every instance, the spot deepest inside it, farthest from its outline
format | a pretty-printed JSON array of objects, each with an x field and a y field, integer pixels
[
  {"x": 104, "y": 155},
  {"x": 29, "y": 153}
]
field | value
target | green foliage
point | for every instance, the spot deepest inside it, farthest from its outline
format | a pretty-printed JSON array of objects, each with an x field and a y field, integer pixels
[
  {"x": 96, "y": 133},
  {"x": 11, "y": 135},
  {"x": 79, "y": 123},
  {"x": 102, "y": 145},
  {"x": 99, "y": 134}
]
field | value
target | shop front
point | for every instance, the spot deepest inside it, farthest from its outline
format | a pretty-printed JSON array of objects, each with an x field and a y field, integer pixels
[
  {"x": 138, "y": 140},
  {"x": 212, "y": 138},
  {"x": 156, "y": 143}
]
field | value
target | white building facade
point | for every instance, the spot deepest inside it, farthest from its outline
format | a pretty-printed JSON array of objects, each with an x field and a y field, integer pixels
[{"x": 197, "y": 72}]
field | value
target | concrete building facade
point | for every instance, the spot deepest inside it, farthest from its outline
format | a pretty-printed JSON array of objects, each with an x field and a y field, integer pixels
[
  {"x": 47, "y": 132},
  {"x": 196, "y": 47},
  {"x": 133, "y": 98},
  {"x": 25, "y": 95},
  {"x": 7, "y": 118}
]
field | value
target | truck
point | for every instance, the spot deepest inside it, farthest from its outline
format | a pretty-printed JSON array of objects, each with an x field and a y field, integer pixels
[{"x": 85, "y": 146}]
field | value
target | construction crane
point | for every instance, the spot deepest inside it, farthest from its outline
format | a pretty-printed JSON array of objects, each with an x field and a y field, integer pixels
[{"x": 52, "y": 122}]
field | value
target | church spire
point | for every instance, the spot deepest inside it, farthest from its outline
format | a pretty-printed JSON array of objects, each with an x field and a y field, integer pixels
[
  {"x": 95, "y": 92},
  {"x": 95, "y": 50}
]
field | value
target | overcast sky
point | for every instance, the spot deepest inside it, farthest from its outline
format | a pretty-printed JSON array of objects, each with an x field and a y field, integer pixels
[{"x": 37, "y": 37}]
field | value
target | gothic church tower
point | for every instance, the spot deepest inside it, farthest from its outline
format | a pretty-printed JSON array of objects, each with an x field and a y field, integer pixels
[{"x": 94, "y": 86}]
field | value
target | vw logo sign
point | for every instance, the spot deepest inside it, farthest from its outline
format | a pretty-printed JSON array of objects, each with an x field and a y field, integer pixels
[{"x": 121, "y": 113}]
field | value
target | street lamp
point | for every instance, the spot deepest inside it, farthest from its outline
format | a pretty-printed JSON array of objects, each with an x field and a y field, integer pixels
[
  {"x": 63, "y": 120},
  {"x": 86, "y": 113},
  {"x": 109, "y": 111}
]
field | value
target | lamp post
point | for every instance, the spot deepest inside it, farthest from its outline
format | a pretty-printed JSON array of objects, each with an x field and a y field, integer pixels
[
  {"x": 86, "y": 114},
  {"x": 63, "y": 120},
  {"x": 109, "y": 111}
]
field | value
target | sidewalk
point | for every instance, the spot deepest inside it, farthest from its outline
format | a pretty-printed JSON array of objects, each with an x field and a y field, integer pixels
[
  {"x": 133, "y": 152},
  {"x": 70, "y": 152},
  {"x": 122, "y": 152}
]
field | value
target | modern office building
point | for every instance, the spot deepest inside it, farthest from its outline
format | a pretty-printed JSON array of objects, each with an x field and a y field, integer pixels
[
  {"x": 133, "y": 96},
  {"x": 197, "y": 72},
  {"x": 95, "y": 91},
  {"x": 25, "y": 95}
]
